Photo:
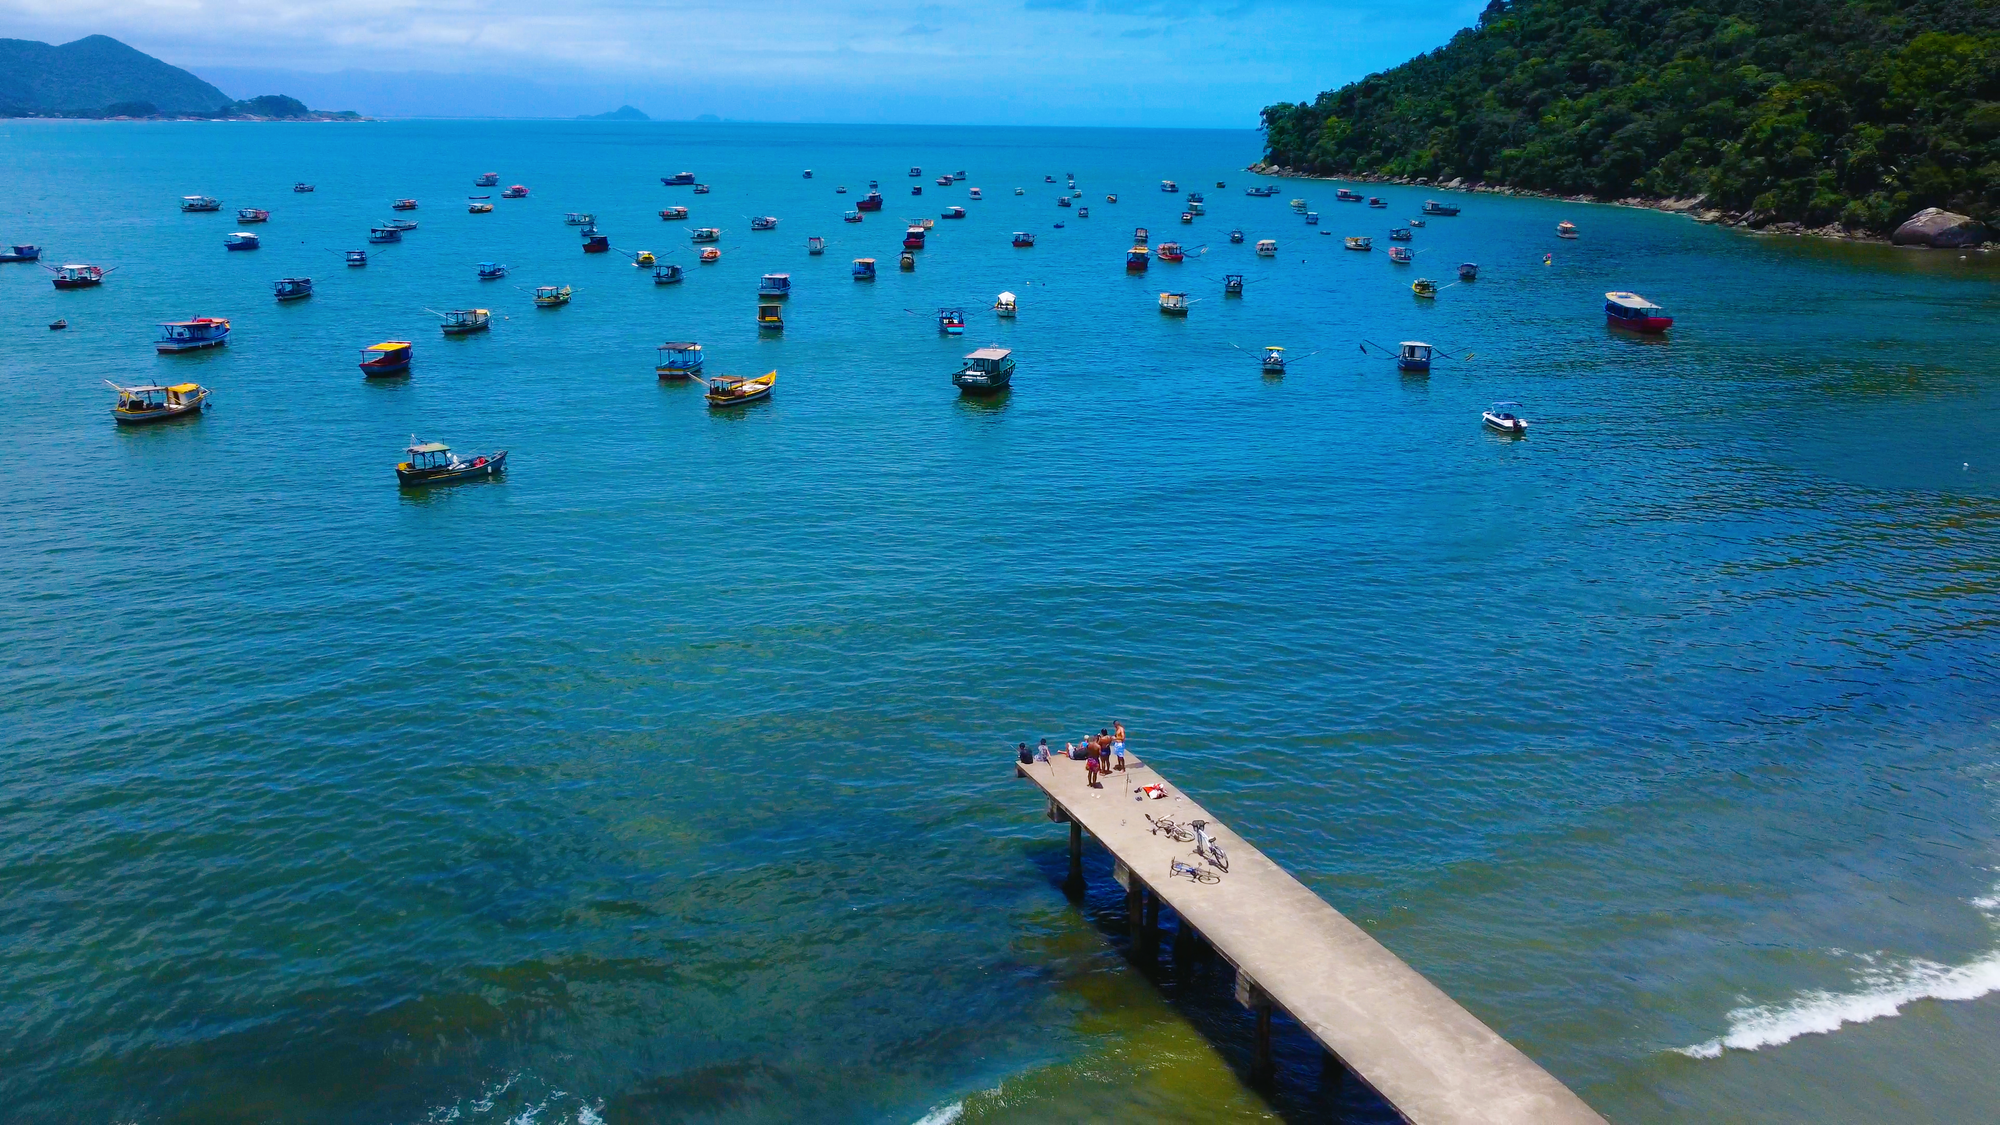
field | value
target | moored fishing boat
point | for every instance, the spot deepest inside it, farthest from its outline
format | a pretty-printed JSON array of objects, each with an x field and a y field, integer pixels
[
  {"x": 357, "y": 258},
  {"x": 668, "y": 274},
  {"x": 770, "y": 318},
  {"x": 1360, "y": 242},
  {"x": 1565, "y": 229},
  {"x": 1376, "y": 201},
  {"x": 1110, "y": 199},
  {"x": 552, "y": 296},
  {"x": 701, "y": 189},
  {"x": 1063, "y": 201},
  {"x": 292, "y": 288},
  {"x": 985, "y": 371},
  {"x": 735, "y": 390},
  {"x": 1416, "y": 222},
  {"x": 433, "y": 462},
  {"x": 643, "y": 259},
  {"x": 403, "y": 205},
  {"x": 459, "y": 322},
  {"x": 679, "y": 361},
  {"x": 596, "y": 243},
  {"x": 1187, "y": 216},
  {"x": 815, "y": 246},
  {"x": 709, "y": 255},
  {"x": 958, "y": 176},
  {"x": 1424, "y": 287},
  {"x": 1500, "y": 416},
  {"x": 1413, "y": 355},
  {"x": 1267, "y": 248},
  {"x": 908, "y": 262},
  {"x": 518, "y": 191},
  {"x": 1346, "y": 195},
  {"x": 1006, "y": 305},
  {"x": 478, "y": 208},
  {"x": 1169, "y": 186},
  {"x": 864, "y": 269},
  {"x": 1433, "y": 207},
  {"x": 1629, "y": 310},
  {"x": 1400, "y": 234},
  {"x": 487, "y": 179},
  {"x": 1232, "y": 285},
  {"x": 1083, "y": 212},
  {"x": 1174, "y": 304},
  {"x": 914, "y": 172},
  {"x": 491, "y": 271},
  {"x": 1023, "y": 238},
  {"x": 390, "y": 357},
  {"x": 705, "y": 234},
  {"x": 401, "y": 224},
  {"x": 775, "y": 285},
  {"x": 669, "y": 214},
  {"x": 21, "y": 252},
  {"x": 1169, "y": 252},
  {"x": 913, "y": 238},
  {"x": 1312, "y": 218},
  {"x": 252, "y": 215},
  {"x": 580, "y": 219},
  {"x": 954, "y": 213},
  {"x": 200, "y": 203},
  {"x": 138, "y": 405},
  {"x": 384, "y": 234},
  {"x": 302, "y": 187},
  {"x": 974, "y": 193},
  {"x": 944, "y": 181},
  {"x": 809, "y": 174},
  {"x": 764, "y": 222},
  {"x": 192, "y": 335},
  {"x": 1468, "y": 271},
  {"x": 240, "y": 240},
  {"x": 951, "y": 322},
  {"x": 1138, "y": 259},
  {"x": 1400, "y": 255},
  {"x": 1140, "y": 235},
  {"x": 870, "y": 202},
  {"x": 1273, "y": 361},
  {"x": 1298, "y": 206},
  {"x": 678, "y": 179},
  {"x": 851, "y": 217}
]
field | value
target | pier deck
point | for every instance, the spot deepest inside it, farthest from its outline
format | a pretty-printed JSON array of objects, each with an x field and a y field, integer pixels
[{"x": 1431, "y": 1060}]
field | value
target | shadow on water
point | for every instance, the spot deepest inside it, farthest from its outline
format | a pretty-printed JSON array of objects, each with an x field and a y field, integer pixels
[
  {"x": 1199, "y": 987},
  {"x": 986, "y": 406}
]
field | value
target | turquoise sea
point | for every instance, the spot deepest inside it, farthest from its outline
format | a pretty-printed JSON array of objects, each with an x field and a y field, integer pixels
[{"x": 667, "y": 778}]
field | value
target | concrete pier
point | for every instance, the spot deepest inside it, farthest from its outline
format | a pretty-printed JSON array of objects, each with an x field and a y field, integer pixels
[{"x": 1378, "y": 1019}]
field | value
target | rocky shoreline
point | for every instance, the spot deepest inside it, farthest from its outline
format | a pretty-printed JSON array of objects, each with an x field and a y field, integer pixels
[{"x": 1934, "y": 229}]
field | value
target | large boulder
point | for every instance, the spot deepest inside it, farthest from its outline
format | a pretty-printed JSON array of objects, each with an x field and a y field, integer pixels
[{"x": 1942, "y": 229}]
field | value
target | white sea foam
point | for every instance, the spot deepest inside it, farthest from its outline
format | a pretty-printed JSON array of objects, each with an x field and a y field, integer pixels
[
  {"x": 1885, "y": 988},
  {"x": 943, "y": 1115}
]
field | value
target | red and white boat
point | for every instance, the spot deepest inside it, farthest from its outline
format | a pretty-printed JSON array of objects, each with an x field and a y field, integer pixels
[
  {"x": 1629, "y": 310},
  {"x": 78, "y": 276}
]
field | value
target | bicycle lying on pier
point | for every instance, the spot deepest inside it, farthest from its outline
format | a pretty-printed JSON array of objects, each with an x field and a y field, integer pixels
[
  {"x": 1174, "y": 830},
  {"x": 1177, "y": 869},
  {"x": 1207, "y": 847}
]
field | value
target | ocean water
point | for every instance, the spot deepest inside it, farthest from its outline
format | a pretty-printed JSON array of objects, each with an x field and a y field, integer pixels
[{"x": 666, "y": 779}]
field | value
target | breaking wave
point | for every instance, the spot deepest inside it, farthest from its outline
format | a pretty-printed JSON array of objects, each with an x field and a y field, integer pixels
[{"x": 1884, "y": 990}]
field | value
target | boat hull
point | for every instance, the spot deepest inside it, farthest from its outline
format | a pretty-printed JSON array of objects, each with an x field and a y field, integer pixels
[
  {"x": 1504, "y": 425},
  {"x": 980, "y": 383},
  {"x": 1650, "y": 325},
  {"x": 142, "y": 417},
  {"x": 1414, "y": 366},
  {"x": 465, "y": 329},
  {"x": 171, "y": 347},
  {"x": 76, "y": 283},
  {"x": 725, "y": 402},
  {"x": 478, "y": 468}
]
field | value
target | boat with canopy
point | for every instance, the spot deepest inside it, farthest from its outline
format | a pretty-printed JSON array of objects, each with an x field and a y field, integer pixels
[
  {"x": 679, "y": 361},
  {"x": 390, "y": 357},
  {"x": 985, "y": 371},
  {"x": 192, "y": 335},
  {"x": 139, "y": 405},
  {"x": 736, "y": 390},
  {"x": 1631, "y": 311},
  {"x": 433, "y": 462}
]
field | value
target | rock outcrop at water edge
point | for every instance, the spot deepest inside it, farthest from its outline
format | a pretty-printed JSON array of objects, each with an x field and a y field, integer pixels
[{"x": 1942, "y": 229}]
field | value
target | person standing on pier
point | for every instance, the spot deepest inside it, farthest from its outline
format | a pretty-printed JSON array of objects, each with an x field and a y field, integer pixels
[
  {"x": 1093, "y": 762},
  {"x": 1118, "y": 743}
]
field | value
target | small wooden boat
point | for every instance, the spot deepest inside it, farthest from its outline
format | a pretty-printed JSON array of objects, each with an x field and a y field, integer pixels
[
  {"x": 1020, "y": 191},
  {"x": 775, "y": 285},
  {"x": 1232, "y": 285},
  {"x": 764, "y": 222},
  {"x": 1468, "y": 271},
  {"x": 1312, "y": 218},
  {"x": 1138, "y": 259},
  {"x": 58, "y": 325},
  {"x": 735, "y": 390},
  {"x": 951, "y": 322},
  {"x": 809, "y": 174},
  {"x": 433, "y": 462},
  {"x": 1169, "y": 186},
  {"x": 710, "y": 255},
  {"x": 403, "y": 205},
  {"x": 139, "y": 405},
  {"x": 487, "y": 179},
  {"x": 1273, "y": 361},
  {"x": 954, "y": 213},
  {"x": 1376, "y": 201},
  {"x": 240, "y": 240},
  {"x": 552, "y": 296},
  {"x": 1414, "y": 356},
  {"x": 1023, "y": 238},
  {"x": 678, "y": 362},
  {"x": 1433, "y": 207},
  {"x": 390, "y": 357},
  {"x": 1629, "y": 310},
  {"x": 252, "y": 215},
  {"x": 580, "y": 219},
  {"x": 913, "y": 238},
  {"x": 1062, "y": 201},
  {"x": 668, "y": 274},
  {"x": 401, "y": 224},
  {"x": 1197, "y": 209},
  {"x": 1346, "y": 195},
  {"x": 916, "y": 189},
  {"x": 770, "y": 318},
  {"x": 974, "y": 193},
  {"x": 459, "y": 322},
  {"x": 678, "y": 179},
  {"x": 1174, "y": 304},
  {"x": 958, "y": 176},
  {"x": 357, "y": 258},
  {"x": 518, "y": 191},
  {"x": 642, "y": 259},
  {"x": 385, "y": 234},
  {"x": 1110, "y": 199},
  {"x": 841, "y": 190},
  {"x": 944, "y": 181},
  {"x": 914, "y": 172},
  {"x": 864, "y": 269},
  {"x": 1565, "y": 229},
  {"x": 1401, "y": 256},
  {"x": 985, "y": 371},
  {"x": 1006, "y": 305},
  {"x": 815, "y": 246},
  {"x": 491, "y": 271},
  {"x": 701, "y": 189},
  {"x": 1049, "y": 179},
  {"x": 292, "y": 288},
  {"x": 908, "y": 262},
  {"x": 1400, "y": 234},
  {"x": 21, "y": 252},
  {"x": 477, "y": 208},
  {"x": 1500, "y": 416},
  {"x": 1170, "y": 252},
  {"x": 596, "y": 243},
  {"x": 851, "y": 217},
  {"x": 1187, "y": 216},
  {"x": 1424, "y": 287},
  {"x": 705, "y": 234},
  {"x": 870, "y": 202},
  {"x": 302, "y": 187},
  {"x": 1083, "y": 212},
  {"x": 192, "y": 335},
  {"x": 1360, "y": 242},
  {"x": 1267, "y": 248},
  {"x": 669, "y": 214},
  {"x": 200, "y": 203},
  {"x": 1236, "y": 236},
  {"x": 1298, "y": 206}
]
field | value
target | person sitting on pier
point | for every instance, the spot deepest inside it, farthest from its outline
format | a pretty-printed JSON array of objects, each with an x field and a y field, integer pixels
[
  {"x": 1025, "y": 756},
  {"x": 1042, "y": 751}
]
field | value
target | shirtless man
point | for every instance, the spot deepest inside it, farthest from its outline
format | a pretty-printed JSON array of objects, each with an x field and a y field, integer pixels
[{"x": 1118, "y": 743}]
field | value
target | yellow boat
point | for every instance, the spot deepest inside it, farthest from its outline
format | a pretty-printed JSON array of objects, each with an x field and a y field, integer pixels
[
  {"x": 643, "y": 258},
  {"x": 1424, "y": 287},
  {"x": 549, "y": 296},
  {"x": 735, "y": 390}
]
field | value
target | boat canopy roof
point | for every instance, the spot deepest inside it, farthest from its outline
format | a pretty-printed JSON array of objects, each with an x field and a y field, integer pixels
[
  {"x": 1415, "y": 344},
  {"x": 1630, "y": 301},
  {"x": 387, "y": 346},
  {"x": 770, "y": 276},
  {"x": 681, "y": 346},
  {"x": 184, "y": 388},
  {"x": 1272, "y": 348},
  {"x": 430, "y": 447},
  {"x": 990, "y": 355},
  {"x": 1007, "y": 297}
]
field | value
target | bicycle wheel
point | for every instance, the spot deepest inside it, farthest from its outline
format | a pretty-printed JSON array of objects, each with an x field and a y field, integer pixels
[{"x": 1202, "y": 875}]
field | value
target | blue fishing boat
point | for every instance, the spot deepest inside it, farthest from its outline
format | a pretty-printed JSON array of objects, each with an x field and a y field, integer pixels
[
  {"x": 679, "y": 179},
  {"x": 241, "y": 240},
  {"x": 22, "y": 253},
  {"x": 292, "y": 288},
  {"x": 487, "y": 179},
  {"x": 1414, "y": 356},
  {"x": 679, "y": 361},
  {"x": 302, "y": 187},
  {"x": 385, "y": 234},
  {"x": 1433, "y": 207},
  {"x": 200, "y": 203},
  {"x": 951, "y": 322},
  {"x": 357, "y": 257},
  {"x": 192, "y": 335},
  {"x": 435, "y": 463},
  {"x": 770, "y": 318},
  {"x": 764, "y": 222},
  {"x": 668, "y": 274},
  {"x": 985, "y": 372},
  {"x": 491, "y": 271},
  {"x": 390, "y": 357},
  {"x": 864, "y": 269},
  {"x": 775, "y": 285}
]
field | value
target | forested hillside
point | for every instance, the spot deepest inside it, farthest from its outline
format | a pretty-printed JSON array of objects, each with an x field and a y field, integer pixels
[{"x": 1855, "y": 112}]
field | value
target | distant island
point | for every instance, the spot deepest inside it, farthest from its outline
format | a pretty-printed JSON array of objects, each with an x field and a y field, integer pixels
[
  {"x": 622, "y": 113},
  {"x": 1823, "y": 115},
  {"x": 99, "y": 77}
]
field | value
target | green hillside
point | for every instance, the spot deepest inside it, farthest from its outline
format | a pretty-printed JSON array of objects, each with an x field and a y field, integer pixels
[
  {"x": 1855, "y": 112},
  {"x": 95, "y": 72}
]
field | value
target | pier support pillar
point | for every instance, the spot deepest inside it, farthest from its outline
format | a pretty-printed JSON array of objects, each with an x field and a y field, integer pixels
[
  {"x": 1183, "y": 951},
  {"x": 1135, "y": 913},
  {"x": 1152, "y": 930},
  {"x": 1073, "y": 886},
  {"x": 1332, "y": 1076},
  {"x": 1250, "y": 996}
]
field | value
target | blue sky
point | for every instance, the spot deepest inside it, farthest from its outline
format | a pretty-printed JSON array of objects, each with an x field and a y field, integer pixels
[{"x": 1030, "y": 62}]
